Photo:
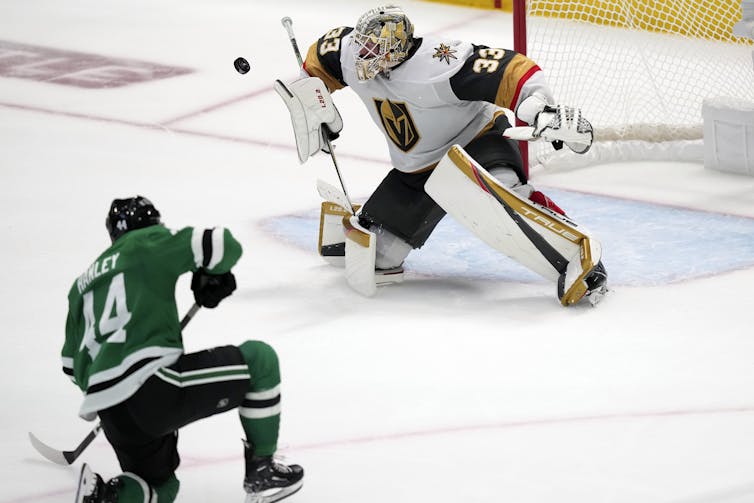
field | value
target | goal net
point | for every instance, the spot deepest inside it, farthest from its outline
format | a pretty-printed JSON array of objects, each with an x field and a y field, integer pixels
[{"x": 639, "y": 69}]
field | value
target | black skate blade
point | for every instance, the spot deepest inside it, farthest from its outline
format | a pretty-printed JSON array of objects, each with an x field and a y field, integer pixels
[{"x": 270, "y": 496}]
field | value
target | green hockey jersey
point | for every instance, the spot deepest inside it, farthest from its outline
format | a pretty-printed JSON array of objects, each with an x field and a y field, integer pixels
[{"x": 123, "y": 321}]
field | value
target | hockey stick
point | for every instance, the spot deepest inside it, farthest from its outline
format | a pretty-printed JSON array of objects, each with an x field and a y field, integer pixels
[
  {"x": 64, "y": 457},
  {"x": 190, "y": 314},
  {"x": 68, "y": 457},
  {"x": 325, "y": 136},
  {"x": 288, "y": 25},
  {"x": 332, "y": 194}
]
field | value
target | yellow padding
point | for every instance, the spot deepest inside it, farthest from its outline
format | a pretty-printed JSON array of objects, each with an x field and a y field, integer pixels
[
  {"x": 692, "y": 18},
  {"x": 506, "y": 5}
]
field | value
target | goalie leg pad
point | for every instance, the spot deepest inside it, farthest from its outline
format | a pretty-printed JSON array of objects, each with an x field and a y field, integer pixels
[
  {"x": 361, "y": 251},
  {"x": 332, "y": 240},
  {"x": 549, "y": 244},
  {"x": 507, "y": 177},
  {"x": 542, "y": 200}
]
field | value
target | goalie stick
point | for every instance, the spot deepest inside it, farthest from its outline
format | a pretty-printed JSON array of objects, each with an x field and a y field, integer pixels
[
  {"x": 332, "y": 194},
  {"x": 68, "y": 457}
]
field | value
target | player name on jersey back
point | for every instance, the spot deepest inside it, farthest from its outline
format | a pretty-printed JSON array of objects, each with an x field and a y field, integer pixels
[{"x": 97, "y": 269}]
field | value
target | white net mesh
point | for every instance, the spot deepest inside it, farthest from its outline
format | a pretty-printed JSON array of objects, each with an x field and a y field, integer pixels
[{"x": 640, "y": 70}]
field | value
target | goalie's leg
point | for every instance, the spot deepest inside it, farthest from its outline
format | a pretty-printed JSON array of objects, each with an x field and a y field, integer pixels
[
  {"x": 595, "y": 280},
  {"x": 502, "y": 158},
  {"x": 401, "y": 215},
  {"x": 544, "y": 241},
  {"x": 398, "y": 217}
]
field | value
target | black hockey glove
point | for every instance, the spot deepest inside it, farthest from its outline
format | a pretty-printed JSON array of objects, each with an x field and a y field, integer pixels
[{"x": 210, "y": 289}]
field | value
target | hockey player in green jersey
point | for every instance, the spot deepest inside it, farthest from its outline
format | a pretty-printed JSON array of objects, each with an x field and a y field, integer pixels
[{"x": 123, "y": 349}]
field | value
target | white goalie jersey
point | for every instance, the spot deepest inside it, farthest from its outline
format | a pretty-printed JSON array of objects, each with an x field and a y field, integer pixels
[{"x": 445, "y": 93}]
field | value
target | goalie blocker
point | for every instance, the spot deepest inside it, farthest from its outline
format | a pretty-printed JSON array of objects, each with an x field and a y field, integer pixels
[
  {"x": 549, "y": 244},
  {"x": 314, "y": 117}
]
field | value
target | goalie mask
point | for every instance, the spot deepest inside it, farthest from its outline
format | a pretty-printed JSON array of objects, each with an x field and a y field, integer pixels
[
  {"x": 129, "y": 214},
  {"x": 382, "y": 39}
]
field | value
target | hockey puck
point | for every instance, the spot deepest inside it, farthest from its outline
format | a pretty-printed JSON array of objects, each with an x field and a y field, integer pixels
[{"x": 242, "y": 66}]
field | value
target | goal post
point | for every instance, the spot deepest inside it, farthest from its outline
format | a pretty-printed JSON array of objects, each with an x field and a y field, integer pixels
[
  {"x": 640, "y": 70},
  {"x": 519, "y": 45}
]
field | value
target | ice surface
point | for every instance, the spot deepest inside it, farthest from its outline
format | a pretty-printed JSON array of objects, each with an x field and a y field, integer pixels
[{"x": 453, "y": 386}]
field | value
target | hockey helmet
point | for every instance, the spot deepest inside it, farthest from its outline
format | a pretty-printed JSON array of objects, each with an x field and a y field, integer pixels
[
  {"x": 382, "y": 39},
  {"x": 129, "y": 214}
]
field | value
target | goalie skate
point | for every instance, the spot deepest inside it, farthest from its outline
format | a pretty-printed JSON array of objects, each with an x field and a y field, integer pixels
[
  {"x": 596, "y": 282},
  {"x": 388, "y": 276}
]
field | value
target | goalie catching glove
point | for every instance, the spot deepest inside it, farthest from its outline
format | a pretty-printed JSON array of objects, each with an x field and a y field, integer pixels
[
  {"x": 555, "y": 124},
  {"x": 315, "y": 119}
]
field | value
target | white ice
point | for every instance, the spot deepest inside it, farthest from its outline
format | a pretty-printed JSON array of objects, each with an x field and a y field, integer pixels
[{"x": 445, "y": 388}]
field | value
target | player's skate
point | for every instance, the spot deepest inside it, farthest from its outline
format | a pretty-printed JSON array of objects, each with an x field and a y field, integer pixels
[
  {"x": 92, "y": 489},
  {"x": 267, "y": 480}
]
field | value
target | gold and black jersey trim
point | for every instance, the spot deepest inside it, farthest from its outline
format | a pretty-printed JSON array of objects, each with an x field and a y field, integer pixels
[
  {"x": 516, "y": 74},
  {"x": 323, "y": 58},
  {"x": 492, "y": 75}
]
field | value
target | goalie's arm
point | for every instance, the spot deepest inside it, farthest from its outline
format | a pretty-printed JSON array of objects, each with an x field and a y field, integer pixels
[
  {"x": 314, "y": 117},
  {"x": 497, "y": 76},
  {"x": 323, "y": 58},
  {"x": 513, "y": 81}
]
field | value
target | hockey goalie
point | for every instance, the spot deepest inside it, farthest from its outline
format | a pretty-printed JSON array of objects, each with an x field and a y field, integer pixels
[{"x": 441, "y": 104}]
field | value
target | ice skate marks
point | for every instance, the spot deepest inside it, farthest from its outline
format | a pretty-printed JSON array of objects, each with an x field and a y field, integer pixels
[{"x": 644, "y": 244}]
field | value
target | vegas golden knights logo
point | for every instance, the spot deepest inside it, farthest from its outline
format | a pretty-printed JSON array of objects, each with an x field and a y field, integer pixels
[{"x": 398, "y": 124}]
